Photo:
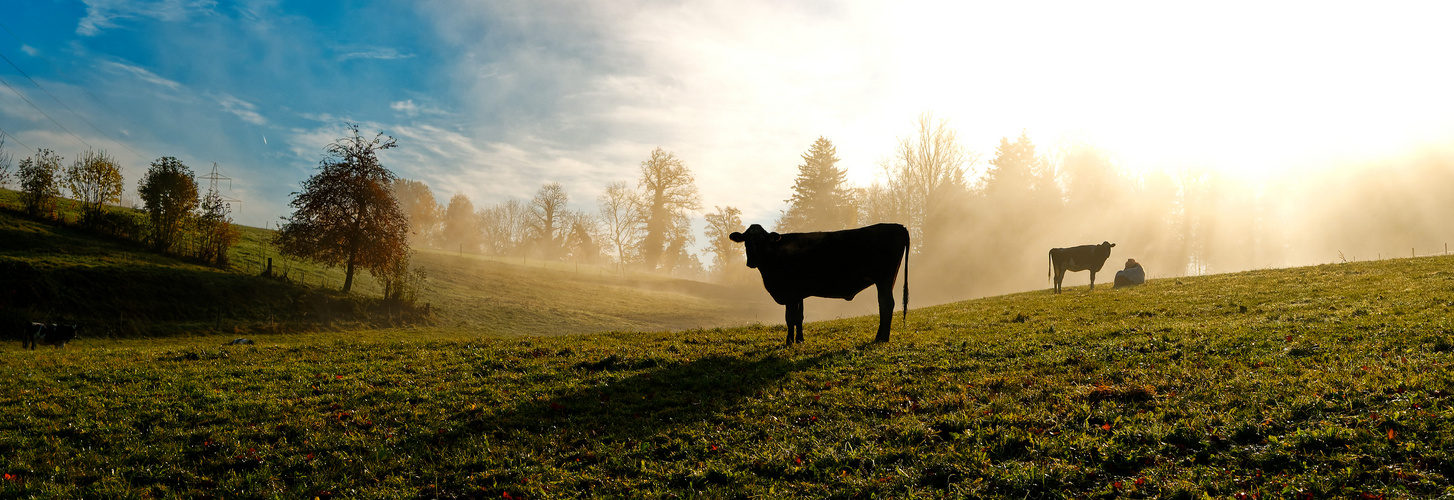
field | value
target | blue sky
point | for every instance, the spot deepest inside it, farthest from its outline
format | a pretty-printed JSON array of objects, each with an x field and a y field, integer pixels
[{"x": 493, "y": 99}]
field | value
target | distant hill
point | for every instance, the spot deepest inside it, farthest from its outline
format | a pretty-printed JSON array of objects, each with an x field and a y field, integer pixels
[{"x": 58, "y": 274}]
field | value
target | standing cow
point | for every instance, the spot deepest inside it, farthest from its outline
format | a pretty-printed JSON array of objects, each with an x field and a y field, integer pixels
[
  {"x": 56, "y": 335},
  {"x": 836, "y": 265},
  {"x": 1082, "y": 258}
]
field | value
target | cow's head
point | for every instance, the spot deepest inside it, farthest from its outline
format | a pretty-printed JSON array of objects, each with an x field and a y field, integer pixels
[
  {"x": 758, "y": 242},
  {"x": 1103, "y": 250}
]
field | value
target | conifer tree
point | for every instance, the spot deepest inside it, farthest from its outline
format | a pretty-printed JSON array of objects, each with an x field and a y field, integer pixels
[{"x": 821, "y": 201}]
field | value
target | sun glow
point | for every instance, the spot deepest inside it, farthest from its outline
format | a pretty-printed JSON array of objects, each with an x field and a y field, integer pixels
[{"x": 1252, "y": 91}]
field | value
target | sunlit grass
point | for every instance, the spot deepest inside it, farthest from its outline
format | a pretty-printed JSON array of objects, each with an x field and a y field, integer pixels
[{"x": 1328, "y": 381}]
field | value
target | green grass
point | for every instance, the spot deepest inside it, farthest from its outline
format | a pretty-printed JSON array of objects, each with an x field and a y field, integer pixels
[
  {"x": 117, "y": 288},
  {"x": 1327, "y": 381}
]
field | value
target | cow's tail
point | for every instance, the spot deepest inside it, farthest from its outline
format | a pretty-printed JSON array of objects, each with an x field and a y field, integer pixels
[
  {"x": 1048, "y": 265},
  {"x": 907, "y": 246}
]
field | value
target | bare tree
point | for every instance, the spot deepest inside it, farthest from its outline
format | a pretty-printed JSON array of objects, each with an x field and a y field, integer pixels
[
  {"x": 582, "y": 236},
  {"x": 504, "y": 227},
  {"x": 6, "y": 162},
  {"x": 727, "y": 256},
  {"x": 668, "y": 192},
  {"x": 620, "y": 214},
  {"x": 926, "y": 170},
  {"x": 423, "y": 210},
  {"x": 95, "y": 180},
  {"x": 346, "y": 214},
  {"x": 548, "y": 209},
  {"x": 461, "y": 230}
]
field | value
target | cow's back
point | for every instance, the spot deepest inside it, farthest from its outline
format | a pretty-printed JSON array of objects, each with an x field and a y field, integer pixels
[{"x": 835, "y": 264}]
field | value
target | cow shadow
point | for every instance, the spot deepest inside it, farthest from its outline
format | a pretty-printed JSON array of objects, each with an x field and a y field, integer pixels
[{"x": 661, "y": 396}]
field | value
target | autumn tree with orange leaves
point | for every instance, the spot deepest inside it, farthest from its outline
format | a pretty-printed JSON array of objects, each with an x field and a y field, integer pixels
[{"x": 346, "y": 214}]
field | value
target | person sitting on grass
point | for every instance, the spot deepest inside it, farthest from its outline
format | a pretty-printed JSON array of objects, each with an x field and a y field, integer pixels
[{"x": 1132, "y": 275}]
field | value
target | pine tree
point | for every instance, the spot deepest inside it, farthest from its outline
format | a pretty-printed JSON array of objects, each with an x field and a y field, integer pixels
[{"x": 821, "y": 201}]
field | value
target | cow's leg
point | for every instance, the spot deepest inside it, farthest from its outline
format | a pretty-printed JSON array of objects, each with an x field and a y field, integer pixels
[
  {"x": 885, "y": 310},
  {"x": 799, "y": 318},
  {"x": 1059, "y": 277},
  {"x": 1093, "y": 280},
  {"x": 794, "y": 320}
]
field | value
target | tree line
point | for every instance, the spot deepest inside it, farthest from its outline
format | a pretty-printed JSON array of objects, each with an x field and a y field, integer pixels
[
  {"x": 176, "y": 219},
  {"x": 982, "y": 224},
  {"x": 645, "y": 227}
]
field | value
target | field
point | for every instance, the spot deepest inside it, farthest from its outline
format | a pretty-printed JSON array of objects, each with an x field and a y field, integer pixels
[
  {"x": 118, "y": 289},
  {"x": 1326, "y": 381}
]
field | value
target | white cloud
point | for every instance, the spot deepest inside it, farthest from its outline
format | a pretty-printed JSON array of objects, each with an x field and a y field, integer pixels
[
  {"x": 410, "y": 109},
  {"x": 28, "y": 50},
  {"x": 384, "y": 53},
  {"x": 103, "y": 14},
  {"x": 245, "y": 110},
  {"x": 141, "y": 73}
]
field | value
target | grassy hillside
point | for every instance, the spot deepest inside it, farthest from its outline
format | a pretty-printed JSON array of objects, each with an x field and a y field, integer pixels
[
  {"x": 117, "y": 288},
  {"x": 1328, "y": 381}
]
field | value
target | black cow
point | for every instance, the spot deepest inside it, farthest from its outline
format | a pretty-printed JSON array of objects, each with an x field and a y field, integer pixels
[
  {"x": 56, "y": 335},
  {"x": 33, "y": 332},
  {"x": 1081, "y": 258},
  {"x": 836, "y": 265}
]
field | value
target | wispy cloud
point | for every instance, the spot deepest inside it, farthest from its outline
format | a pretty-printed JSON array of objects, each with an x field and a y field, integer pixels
[
  {"x": 410, "y": 109},
  {"x": 245, "y": 110},
  {"x": 141, "y": 73},
  {"x": 103, "y": 14},
  {"x": 385, "y": 53},
  {"x": 28, "y": 50}
]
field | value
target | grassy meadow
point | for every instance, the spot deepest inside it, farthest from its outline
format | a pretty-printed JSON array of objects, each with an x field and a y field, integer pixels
[
  {"x": 1316, "y": 382},
  {"x": 116, "y": 288}
]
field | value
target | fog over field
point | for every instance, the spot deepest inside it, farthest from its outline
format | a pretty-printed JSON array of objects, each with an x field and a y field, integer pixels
[{"x": 1199, "y": 139}]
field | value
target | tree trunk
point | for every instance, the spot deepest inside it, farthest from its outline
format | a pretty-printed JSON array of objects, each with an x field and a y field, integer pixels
[{"x": 348, "y": 276}]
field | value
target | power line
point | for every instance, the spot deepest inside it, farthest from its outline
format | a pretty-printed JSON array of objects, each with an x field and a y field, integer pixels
[
  {"x": 93, "y": 97},
  {"x": 12, "y": 136},
  {"x": 37, "y": 108},
  {"x": 68, "y": 108}
]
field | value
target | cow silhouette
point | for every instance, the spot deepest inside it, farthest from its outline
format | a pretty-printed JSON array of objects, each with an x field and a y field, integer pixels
[
  {"x": 1081, "y": 258},
  {"x": 834, "y": 264}
]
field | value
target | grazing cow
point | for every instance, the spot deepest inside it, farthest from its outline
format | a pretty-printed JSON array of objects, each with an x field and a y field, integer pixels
[
  {"x": 1081, "y": 258},
  {"x": 56, "y": 335},
  {"x": 836, "y": 265},
  {"x": 1132, "y": 275},
  {"x": 33, "y": 332}
]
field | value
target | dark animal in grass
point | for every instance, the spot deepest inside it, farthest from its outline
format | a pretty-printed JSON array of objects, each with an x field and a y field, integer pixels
[
  {"x": 56, "y": 335},
  {"x": 1082, "y": 258},
  {"x": 1132, "y": 275},
  {"x": 836, "y": 265},
  {"x": 32, "y": 332}
]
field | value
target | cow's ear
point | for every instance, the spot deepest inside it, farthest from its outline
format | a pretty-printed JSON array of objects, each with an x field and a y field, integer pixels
[
  {"x": 774, "y": 236},
  {"x": 1113, "y": 245},
  {"x": 735, "y": 236}
]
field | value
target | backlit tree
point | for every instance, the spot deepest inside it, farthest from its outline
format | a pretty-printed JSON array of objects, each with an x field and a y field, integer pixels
[
  {"x": 40, "y": 183},
  {"x": 346, "y": 214},
  {"x": 94, "y": 180},
  {"x": 668, "y": 192},
  {"x": 169, "y": 195},
  {"x": 821, "y": 201}
]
